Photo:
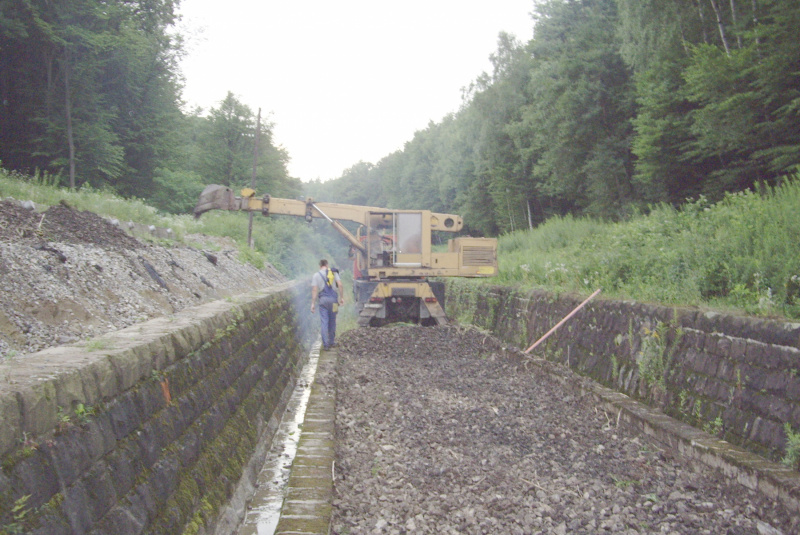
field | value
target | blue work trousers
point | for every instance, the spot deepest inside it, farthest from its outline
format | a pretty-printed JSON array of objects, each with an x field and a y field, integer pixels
[{"x": 327, "y": 319}]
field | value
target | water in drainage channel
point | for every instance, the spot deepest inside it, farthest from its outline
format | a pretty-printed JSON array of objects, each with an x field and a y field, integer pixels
[{"x": 264, "y": 510}]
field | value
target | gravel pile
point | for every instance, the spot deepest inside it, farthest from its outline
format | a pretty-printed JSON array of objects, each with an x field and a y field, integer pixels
[
  {"x": 67, "y": 275},
  {"x": 441, "y": 430}
]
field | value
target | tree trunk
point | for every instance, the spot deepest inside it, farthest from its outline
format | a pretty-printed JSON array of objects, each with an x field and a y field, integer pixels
[
  {"x": 735, "y": 25},
  {"x": 684, "y": 41},
  {"x": 229, "y": 169},
  {"x": 253, "y": 178},
  {"x": 721, "y": 26},
  {"x": 68, "y": 111},
  {"x": 50, "y": 90},
  {"x": 755, "y": 27},
  {"x": 508, "y": 205},
  {"x": 530, "y": 218},
  {"x": 702, "y": 20}
]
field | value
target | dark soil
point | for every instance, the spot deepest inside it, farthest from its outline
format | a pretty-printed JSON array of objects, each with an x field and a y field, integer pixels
[
  {"x": 442, "y": 430},
  {"x": 60, "y": 223}
]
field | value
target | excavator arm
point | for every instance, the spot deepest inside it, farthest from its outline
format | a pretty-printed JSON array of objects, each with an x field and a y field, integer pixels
[{"x": 216, "y": 197}]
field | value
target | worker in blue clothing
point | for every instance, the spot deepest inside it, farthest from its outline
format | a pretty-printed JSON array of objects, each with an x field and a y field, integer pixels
[{"x": 324, "y": 284}]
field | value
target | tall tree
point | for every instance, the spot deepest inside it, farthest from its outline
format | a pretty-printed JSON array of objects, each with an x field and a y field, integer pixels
[
  {"x": 144, "y": 89},
  {"x": 74, "y": 86},
  {"x": 498, "y": 154},
  {"x": 748, "y": 101},
  {"x": 713, "y": 117},
  {"x": 228, "y": 142},
  {"x": 580, "y": 109},
  {"x": 226, "y": 145}
]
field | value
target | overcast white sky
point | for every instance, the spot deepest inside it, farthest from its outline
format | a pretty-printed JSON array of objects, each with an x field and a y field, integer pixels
[{"x": 344, "y": 81}]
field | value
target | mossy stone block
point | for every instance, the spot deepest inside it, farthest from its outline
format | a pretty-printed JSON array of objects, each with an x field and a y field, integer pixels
[
  {"x": 39, "y": 407},
  {"x": 11, "y": 430}
]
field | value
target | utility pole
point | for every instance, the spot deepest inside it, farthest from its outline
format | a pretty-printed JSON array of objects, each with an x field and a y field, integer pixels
[
  {"x": 508, "y": 205},
  {"x": 530, "y": 219},
  {"x": 253, "y": 179}
]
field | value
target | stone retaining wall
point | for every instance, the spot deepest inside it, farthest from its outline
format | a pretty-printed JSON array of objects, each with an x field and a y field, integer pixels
[
  {"x": 148, "y": 429},
  {"x": 734, "y": 377}
]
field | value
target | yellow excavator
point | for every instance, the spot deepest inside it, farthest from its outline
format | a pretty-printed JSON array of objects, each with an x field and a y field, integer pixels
[{"x": 393, "y": 257}]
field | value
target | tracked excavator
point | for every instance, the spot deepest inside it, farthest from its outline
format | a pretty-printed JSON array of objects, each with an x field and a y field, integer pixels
[{"x": 393, "y": 258}]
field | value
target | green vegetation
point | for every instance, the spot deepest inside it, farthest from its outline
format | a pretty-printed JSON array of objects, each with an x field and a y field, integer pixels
[
  {"x": 715, "y": 426},
  {"x": 650, "y": 360},
  {"x": 17, "y": 516},
  {"x": 792, "y": 457},
  {"x": 613, "y": 105},
  {"x": 624, "y": 483},
  {"x": 98, "y": 344},
  {"x": 737, "y": 254},
  {"x": 347, "y": 318},
  {"x": 41, "y": 190},
  {"x": 83, "y": 413},
  {"x": 646, "y": 102}
]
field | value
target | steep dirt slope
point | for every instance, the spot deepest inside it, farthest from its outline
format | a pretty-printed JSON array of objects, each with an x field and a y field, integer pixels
[{"x": 67, "y": 275}]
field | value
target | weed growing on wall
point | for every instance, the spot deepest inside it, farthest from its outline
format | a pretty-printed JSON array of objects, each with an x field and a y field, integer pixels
[
  {"x": 654, "y": 358},
  {"x": 614, "y": 368},
  {"x": 714, "y": 427},
  {"x": 18, "y": 513},
  {"x": 792, "y": 457},
  {"x": 98, "y": 344},
  {"x": 465, "y": 294},
  {"x": 650, "y": 358}
]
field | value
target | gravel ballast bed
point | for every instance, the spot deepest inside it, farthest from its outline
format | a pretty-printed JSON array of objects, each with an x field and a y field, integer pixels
[{"x": 441, "y": 430}]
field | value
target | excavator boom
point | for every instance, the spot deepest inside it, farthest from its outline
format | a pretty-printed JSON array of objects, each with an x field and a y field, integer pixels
[{"x": 217, "y": 197}]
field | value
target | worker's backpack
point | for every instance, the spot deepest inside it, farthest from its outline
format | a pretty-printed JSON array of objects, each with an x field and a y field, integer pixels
[{"x": 328, "y": 296}]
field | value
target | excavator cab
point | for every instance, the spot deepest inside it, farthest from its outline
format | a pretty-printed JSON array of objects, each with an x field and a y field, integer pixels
[{"x": 392, "y": 239}]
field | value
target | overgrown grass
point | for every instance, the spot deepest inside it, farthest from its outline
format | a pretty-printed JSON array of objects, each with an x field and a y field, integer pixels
[
  {"x": 291, "y": 245},
  {"x": 347, "y": 318},
  {"x": 40, "y": 189},
  {"x": 740, "y": 254}
]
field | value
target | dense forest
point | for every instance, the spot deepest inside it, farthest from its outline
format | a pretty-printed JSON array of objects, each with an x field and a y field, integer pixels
[
  {"x": 91, "y": 95},
  {"x": 613, "y": 106}
]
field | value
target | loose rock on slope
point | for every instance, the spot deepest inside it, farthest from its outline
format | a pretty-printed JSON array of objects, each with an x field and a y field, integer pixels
[
  {"x": 67, "y": 275},
  {"x": 440, "y": 430}
]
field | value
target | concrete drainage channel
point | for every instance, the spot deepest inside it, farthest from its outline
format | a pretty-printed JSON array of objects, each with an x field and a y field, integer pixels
[{"x": 295, "y": 487}]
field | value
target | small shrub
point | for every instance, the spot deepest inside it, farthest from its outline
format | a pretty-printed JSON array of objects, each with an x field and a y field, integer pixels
[
  {"x": 83, "y": 413},
  {"x": 98, "y": 344},
  {"x": 623, "y": 483},
  {"x": 651, "y": 359},
  {"x": 714, "y": 427},
  {"x": 18, "y": 513},
  {"x": 64, "y": 421},
  {"x": 792, "y": 457}
]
